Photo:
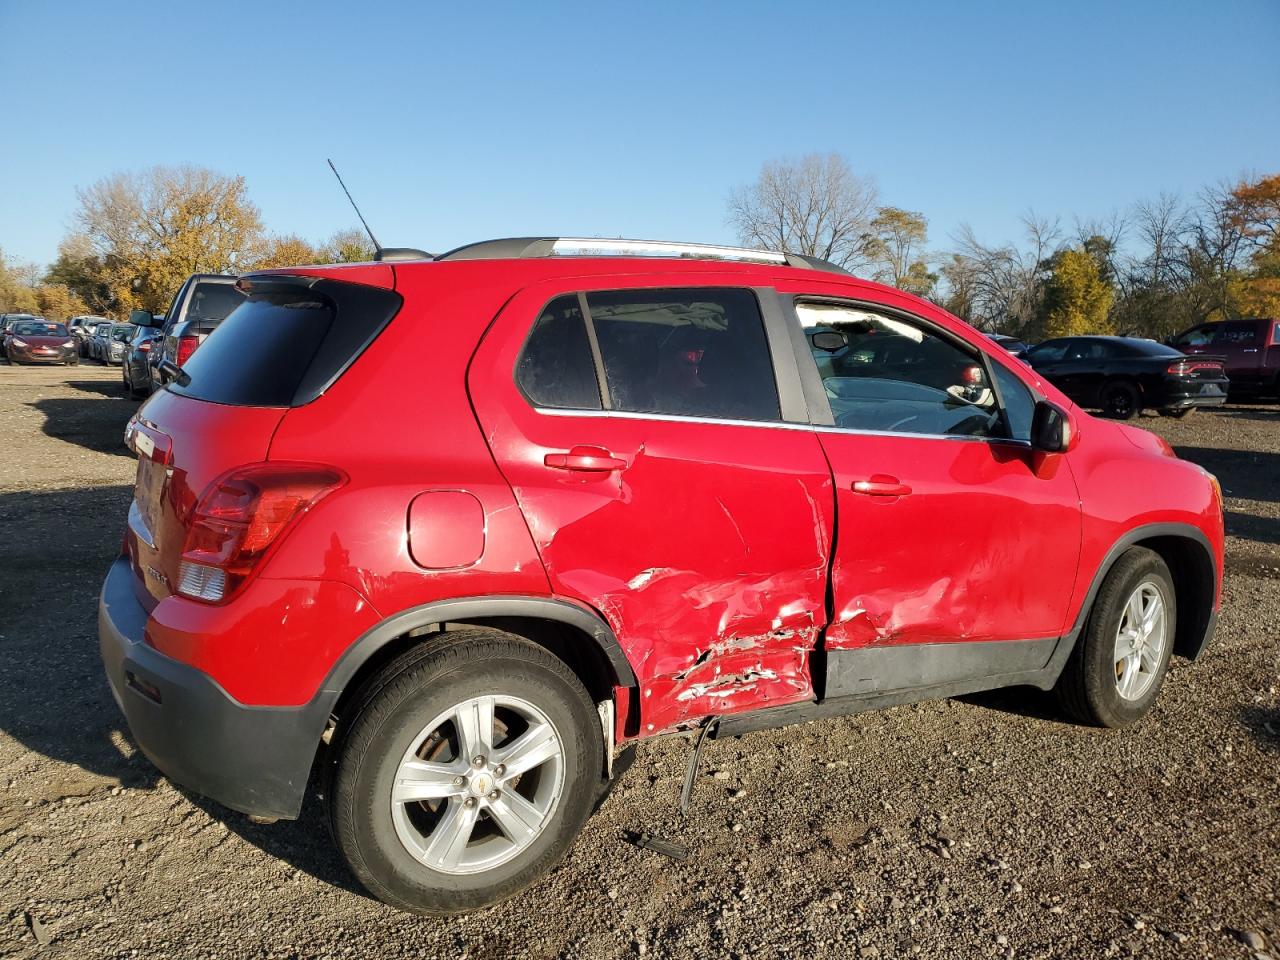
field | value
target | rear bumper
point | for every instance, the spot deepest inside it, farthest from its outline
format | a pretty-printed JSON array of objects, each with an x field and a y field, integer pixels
[
  {"x": 253, "y": 759},
  {"x": 1183, "y": 393}
]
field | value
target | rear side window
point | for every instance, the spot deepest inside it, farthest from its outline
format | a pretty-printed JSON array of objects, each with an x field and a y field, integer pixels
[
  {"x": 1235, "y": 333},
  {"x": 287, "y": 342},
  {"x": 685, "y": 352},
  {"x": 555, "y": 368}
]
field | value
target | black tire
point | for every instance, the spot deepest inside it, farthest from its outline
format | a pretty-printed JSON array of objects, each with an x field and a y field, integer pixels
[
  {"x": 1178, "y": 414},
  {"x": 1120, "y": 400},
  {"x": 395, "y": 707},
  {"x": 1087, "y": 689}
]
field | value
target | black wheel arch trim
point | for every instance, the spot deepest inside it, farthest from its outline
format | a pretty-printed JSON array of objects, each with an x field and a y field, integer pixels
[
  {"x": 476, "y": 608},
  {"x": 1189, "y": 647}
]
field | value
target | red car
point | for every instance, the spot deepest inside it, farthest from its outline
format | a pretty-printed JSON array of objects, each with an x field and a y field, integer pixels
[
  {"x": 450, "y": 535},
  {"x": 39, "y": 341}
]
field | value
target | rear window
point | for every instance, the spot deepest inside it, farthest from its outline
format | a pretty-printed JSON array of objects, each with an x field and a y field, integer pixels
[
  {"x": 213, "y": 301},
  {"x": 287, "y": 342}
]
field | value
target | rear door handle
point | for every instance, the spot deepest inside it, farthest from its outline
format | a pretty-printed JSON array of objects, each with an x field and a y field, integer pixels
[
  {"x": 881, "y": 485},
  {"x": 586, "y": 459}
]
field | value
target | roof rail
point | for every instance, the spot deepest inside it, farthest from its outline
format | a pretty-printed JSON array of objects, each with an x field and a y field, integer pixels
[{"x": 518, "y": 248}]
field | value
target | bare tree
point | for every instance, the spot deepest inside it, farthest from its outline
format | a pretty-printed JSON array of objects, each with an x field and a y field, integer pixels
[
  {"x": 816, "y": 206},
  {"x": 1004, "y": 285}
]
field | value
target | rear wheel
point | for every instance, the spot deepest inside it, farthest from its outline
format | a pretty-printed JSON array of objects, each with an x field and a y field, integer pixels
[
  {"x": 469, "y": 767},
  {"x": 1119, "y": 662},
  {"x": 1120, "y": 400}
]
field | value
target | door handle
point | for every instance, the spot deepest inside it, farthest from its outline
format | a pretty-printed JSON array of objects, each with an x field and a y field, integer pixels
[
  {"x": 881, "y": 485},
  {"x": 586, "y": 459}
]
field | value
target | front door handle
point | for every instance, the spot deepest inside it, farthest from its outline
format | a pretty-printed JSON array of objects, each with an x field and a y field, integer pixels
[
  {"x": 881, "y": 485},
  {"x": 584, "y": 458}
]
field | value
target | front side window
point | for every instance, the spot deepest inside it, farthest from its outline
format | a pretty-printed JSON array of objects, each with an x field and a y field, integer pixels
[
  {"x": 1199, "y": 336},
  {"x": 887, "y": 374},
  {"x": 1090, "y": 350},
  {"x": 1018, "y": 402}
]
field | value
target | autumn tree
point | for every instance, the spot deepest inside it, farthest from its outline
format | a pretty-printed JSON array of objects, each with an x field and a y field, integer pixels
[
  {"x": 1077, "y": 300},
  {"x": 347, "y": 246},
  {"x": 148, "y": 231},
  {"x": 289, "y": 250},
  {"x": 895, "y": 250},
  {"x": 815, "y": 206},
  {"x": 1254, "y": 209}
]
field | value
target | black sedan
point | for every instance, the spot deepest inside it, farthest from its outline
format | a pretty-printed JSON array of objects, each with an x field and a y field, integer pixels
[{"x": 1124, "y": 375}]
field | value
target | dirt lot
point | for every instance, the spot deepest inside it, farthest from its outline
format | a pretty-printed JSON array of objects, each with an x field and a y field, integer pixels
[{"x": 983, "y": 827}]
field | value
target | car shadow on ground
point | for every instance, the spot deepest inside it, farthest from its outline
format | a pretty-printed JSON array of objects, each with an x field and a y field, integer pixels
[
  {"x": 104, "y": 388},
  {"x": 95, "y": 424},
  {"x": 54, "y": 698},
  {"x": 1247, "y": 474},
  {"x": 1264, "y": 724}
]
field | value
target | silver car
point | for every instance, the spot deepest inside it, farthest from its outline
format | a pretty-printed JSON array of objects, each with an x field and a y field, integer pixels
[{"x": 116, "y": 342}]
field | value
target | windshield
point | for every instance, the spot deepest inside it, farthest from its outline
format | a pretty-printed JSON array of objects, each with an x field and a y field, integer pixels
[{"x": 28, "y": 329}]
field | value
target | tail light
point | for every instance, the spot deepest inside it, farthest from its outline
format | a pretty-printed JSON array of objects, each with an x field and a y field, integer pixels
[
  {"x": 145, "y": 346},
  {"x": 240, "y": 516},
  {"x": 186, "y": 347},
  {"x": 1183, "y": 368}
]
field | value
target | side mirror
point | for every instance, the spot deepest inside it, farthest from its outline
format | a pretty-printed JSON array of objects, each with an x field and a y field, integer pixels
[
  {"x": 142, "y": 318},
  {"x": 830, "y": 341},
  {"x": 1051, "y": 429}
]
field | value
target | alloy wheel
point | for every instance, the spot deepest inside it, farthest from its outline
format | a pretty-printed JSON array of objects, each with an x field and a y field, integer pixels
[
  {"x": 478, "y": 784},
  {"x": 1140, "y": 641}
]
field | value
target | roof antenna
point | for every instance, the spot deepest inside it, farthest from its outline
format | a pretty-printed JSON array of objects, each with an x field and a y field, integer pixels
[
  {"x": 376, "y": 245},
  {"x": 381, "y": 254}
]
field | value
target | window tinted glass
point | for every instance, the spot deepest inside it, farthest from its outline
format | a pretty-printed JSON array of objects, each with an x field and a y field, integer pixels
[
  {"x": 1051, "y": 351},
  {"x": 1149, "y": 348},
  {"x": 213, "y": 301},
  {"x": 1019, "y": 403},
  {"x": 686, "y": 352},
  {"x": 555, "y": 368},
  {"x": 882, "y": 373},
  {"x": 1236, "y": 333},
  {"x": 37, "y": 329},
  {"x": 1196, "y": 336},
  {"x": 285, "y": 345},
  {"x": 1090, "y": 350}
]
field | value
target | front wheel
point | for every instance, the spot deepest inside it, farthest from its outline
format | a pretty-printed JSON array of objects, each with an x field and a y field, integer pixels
[
  {"x": 467, "y": 771},
  {"x": 1119, "y": 662},
  {"x": 1120, "y": 400}
]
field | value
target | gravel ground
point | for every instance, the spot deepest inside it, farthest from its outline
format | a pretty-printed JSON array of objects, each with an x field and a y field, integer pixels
[{"x": 980, "y": 827}]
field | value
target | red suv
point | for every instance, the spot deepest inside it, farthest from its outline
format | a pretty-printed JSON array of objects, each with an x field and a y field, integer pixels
[{"x": 455, "y": 532}]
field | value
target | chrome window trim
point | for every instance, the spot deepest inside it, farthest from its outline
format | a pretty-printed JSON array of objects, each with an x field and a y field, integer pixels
[{"x": 770, "y": 425}]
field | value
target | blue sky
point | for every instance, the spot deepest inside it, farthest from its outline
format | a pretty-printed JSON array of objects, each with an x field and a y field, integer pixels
[{"x": 457, "y": 122}]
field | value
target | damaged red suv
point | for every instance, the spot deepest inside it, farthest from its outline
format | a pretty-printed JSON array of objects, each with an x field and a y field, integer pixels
[{"x": 444, "y": 536}]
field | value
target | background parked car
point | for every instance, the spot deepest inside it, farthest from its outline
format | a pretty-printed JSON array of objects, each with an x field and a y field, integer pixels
[
  {"x": 117, "y": 341},
  {"x": 202, "y": 303},
  {"x": 81, "y": 328},
  {"x": 7, "y": 320},
  {"x": 1014, "y": 345},
  {"x": 98, "y": 334},
  {"x": 1123, "y": 376},
  {"x": 39, "y": 341},
  {"x": 134, "y": 370},
  {"x": 1251, "y": 349}
]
